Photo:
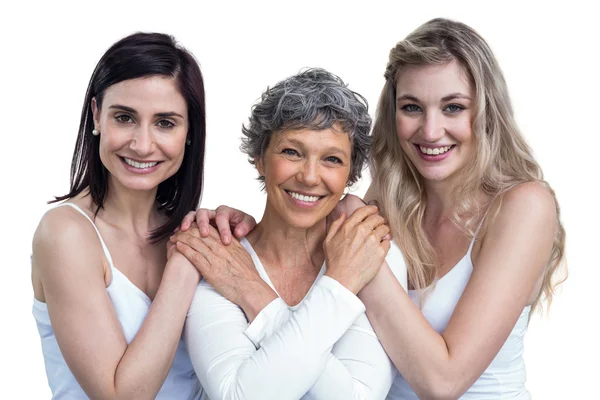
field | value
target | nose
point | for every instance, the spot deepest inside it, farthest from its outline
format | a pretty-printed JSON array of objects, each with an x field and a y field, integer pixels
[
  {"x": 433, "y": 128},
  {"x": 142, "y": 141},
  {"x": 308, "y": 174}
]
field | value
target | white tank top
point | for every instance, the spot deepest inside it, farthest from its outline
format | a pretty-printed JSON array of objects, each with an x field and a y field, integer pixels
[
  {"x": 505, "y": 377},
  {"x": 131, "y": 306}
]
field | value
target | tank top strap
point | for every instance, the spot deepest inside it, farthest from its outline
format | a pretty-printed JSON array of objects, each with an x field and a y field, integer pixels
[{"x": 104, "y": 248}]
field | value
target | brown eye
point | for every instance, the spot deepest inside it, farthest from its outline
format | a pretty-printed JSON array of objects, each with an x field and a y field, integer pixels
[
  {"x": 165, "y": 123},
  {"x": 123, "y": 118}
]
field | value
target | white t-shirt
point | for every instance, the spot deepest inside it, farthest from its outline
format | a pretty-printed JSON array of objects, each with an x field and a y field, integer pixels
[{"x": 322, "y": 348}]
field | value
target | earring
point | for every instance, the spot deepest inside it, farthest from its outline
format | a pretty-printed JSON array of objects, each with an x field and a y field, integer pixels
[
  {"x": 188, "y": 142},
  {"x": 95, "y": 132}
]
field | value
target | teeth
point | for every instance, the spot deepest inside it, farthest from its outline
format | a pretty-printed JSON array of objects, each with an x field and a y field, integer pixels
[
  {"x": 301, "y": 197},
  {"x": 136, "y": 164},
  {"x": 435, "y": 151}
]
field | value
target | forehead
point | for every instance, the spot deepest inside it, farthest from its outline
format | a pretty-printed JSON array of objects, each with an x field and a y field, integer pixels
[
  {"x": 435, "y": 80},
  {"x": 314, "y": 139},
  {"x": 155, "y": 94}
]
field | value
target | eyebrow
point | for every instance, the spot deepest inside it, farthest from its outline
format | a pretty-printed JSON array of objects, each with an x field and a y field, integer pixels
[
  {"x": 449, "y": 97},
  {"x": 133, "y": 111},
  {"x": 331, "y": 149}
]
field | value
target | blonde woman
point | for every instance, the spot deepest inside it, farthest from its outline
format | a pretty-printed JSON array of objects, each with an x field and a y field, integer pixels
[{"x": 466, "y": 202}]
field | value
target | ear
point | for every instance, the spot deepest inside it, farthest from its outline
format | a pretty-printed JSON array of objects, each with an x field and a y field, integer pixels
[
  {"x": 96, "y": 114},
  {"x": 258, "y": 163}
]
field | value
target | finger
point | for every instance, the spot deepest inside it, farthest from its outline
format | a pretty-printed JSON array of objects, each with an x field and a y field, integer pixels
[
  {"x": 245, "y": 226},
  {"x": 195, "y": 242},
  {"x": 360, "y": 215},
  {"x": 373, "y": 221},
  {"x": 381, "y": 232},
  {"x": 373, "y": 203},
  {"x": 196, "y": 258},
  {"x": 187, "y": 220},
  {"x": 335, "y": 225},
  {"x": 223, "y": 225},
  {"x": 203, "y": 218}
]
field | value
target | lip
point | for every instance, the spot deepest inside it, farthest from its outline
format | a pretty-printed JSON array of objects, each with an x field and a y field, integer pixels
[
  {"x": 433, "y": 157},
  {"x": 300, "y": 203},
  {"x": 140, "y": 171}
]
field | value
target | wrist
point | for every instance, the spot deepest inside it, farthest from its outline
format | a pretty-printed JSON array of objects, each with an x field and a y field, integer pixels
[
  {"x": 178, "y": 267},
  {"x": 255, "y": 297},
  {"x": 344, "y": 281}
]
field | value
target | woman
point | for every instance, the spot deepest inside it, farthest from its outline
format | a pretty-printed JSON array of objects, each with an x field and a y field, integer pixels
[
  {"x": 477, "y": 224},
  {"x": 110, "y": 303},
  {"x": 274, "y": 317}
]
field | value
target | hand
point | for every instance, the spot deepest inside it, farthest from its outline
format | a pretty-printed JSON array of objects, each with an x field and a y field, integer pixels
[
  {"x": 229, "y": 269},
  {"x": 180, "y": 263},
  {"x": 355, "y": 248},
  {"x": 347, "y": 206},
  {"x": 224, "y": 218}
]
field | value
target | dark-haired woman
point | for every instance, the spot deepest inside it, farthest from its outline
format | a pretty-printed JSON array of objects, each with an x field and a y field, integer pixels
[{"x": 110, "y": 297}]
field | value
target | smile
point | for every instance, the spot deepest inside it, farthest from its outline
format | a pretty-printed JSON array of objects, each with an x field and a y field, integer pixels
[
  {"x": 304, "y": 198},
  {"x": 139, "y": 165},
  {"x": 434, "y": 150}
]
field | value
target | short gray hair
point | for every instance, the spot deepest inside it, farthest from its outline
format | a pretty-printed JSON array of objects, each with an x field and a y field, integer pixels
[{"x": 314, "y": 99}]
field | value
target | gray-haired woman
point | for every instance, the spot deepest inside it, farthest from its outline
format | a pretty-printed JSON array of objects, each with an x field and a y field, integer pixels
[{"x": 273, "y": 318}]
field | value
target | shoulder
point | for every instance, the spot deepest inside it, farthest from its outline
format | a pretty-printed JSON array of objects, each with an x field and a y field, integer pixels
[
  {"x": 529, "y": 201},
  {"x": 63, "y": 230},
  {"x": 61, "y": 223},
  {"x": 525, "y": 219}
]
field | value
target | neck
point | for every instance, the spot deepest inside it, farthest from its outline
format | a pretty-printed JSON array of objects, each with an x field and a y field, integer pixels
[
  {"x": 440, "y": 202},
  {"x": 281, "y": 244},
  {"x": 131, "y": 210}
]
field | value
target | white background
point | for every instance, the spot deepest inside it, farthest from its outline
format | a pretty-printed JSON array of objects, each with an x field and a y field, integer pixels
[{"x": 49, "y": 50}]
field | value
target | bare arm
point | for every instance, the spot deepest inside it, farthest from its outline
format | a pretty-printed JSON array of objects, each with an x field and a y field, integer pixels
[
  {"x": 512, "y": 258},
  {"x": 68, "y": 256}
]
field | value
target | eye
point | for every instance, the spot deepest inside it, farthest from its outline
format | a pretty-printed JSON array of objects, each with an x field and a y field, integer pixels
[
  {"x": 123, "y": 118},
  {"x": 165, "y": 123},
  {"x": 334, "y": 159},
  {"x": 411, "y": 108},
  {"x": 454, "y": 108},
  {"x": 290, "y": 152}
]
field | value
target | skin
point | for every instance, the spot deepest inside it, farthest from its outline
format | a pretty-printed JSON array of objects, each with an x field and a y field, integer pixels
[
  {"x": 313, "y": 163},
  {"x": 509, "y": 260},
  {"x": 70, "y": 272}
]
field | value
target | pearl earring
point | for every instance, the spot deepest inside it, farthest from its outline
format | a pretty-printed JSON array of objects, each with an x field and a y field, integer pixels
[
  {"x": 188, "y": 142},
  {"x": 95, "y": 132}
]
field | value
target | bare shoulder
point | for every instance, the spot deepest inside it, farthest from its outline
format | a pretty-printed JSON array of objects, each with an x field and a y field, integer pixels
[
  {"x": 529, "y": 201},
  {"x": 62, "y": 231}
]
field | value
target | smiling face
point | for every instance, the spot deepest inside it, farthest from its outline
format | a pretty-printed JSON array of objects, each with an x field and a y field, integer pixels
[
  {"x": 143, "y": 125},
  {"x": 434, "y": 114},
  {"x": 305, "y": 173}
]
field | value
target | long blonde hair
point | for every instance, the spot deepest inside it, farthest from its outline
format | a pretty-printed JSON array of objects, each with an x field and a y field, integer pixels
[{"x": 502, "y": 160}]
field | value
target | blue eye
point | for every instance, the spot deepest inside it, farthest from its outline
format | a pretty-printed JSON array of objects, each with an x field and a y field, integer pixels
[
  {"x": 411, "y": 108},
  {"x": 454, "y": 108},
  {"x": 333, "y": 159},
  {"x": 290, "y": 152}
]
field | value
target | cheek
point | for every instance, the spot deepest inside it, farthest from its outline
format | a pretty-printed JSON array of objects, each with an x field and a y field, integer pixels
[
  {"x": 405, "y": 127},
  {"x": 336, "y": 179}
]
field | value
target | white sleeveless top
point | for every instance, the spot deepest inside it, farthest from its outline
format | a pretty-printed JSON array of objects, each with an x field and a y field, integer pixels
[
  {"x": 505, "y": 377},
  {"x": 131, "y": 306}
]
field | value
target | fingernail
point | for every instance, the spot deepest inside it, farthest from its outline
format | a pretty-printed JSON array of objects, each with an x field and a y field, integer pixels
[{"x": 204, "y": 231}]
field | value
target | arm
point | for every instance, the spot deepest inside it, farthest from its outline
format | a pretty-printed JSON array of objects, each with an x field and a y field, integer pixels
[
  {"x": 512, "y": 258},
  {"x": 68, "y": 257},
  {"x": 288, "y": 361}
]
